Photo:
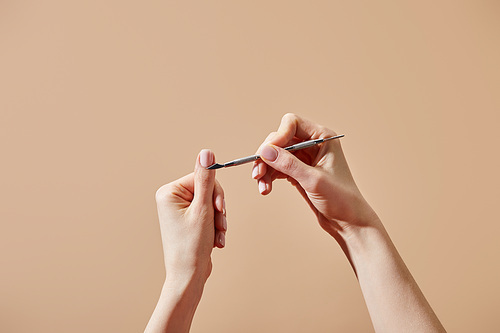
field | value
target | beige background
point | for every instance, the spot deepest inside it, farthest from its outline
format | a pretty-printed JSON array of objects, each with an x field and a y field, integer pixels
[{"x": 104, "y": 101}]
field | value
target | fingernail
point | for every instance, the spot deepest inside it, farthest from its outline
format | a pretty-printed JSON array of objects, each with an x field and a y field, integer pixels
[
  {"x": 224, "y": 207},
  {"x": 220, "y": 205},
  {"x": 222, "y": 239},
  {"x": 224, "y": 223},
  {"x": 255, "y": 171},
  {"x": 262, "y": 187},
  {"x": 206, "y": 158},
  {"x": 269, "y": 153}
]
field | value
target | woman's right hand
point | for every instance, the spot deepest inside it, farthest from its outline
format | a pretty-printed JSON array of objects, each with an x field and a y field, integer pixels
[{"x": 319, "y": 173}]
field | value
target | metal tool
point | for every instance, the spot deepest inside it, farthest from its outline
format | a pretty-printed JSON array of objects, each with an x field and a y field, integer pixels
[{"x": 301, "y": 145}]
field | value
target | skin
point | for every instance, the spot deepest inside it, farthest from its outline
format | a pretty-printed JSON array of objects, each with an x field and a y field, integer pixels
[
  {"x": 190, "y": 219},
  {"x": 323, "y": 178}
]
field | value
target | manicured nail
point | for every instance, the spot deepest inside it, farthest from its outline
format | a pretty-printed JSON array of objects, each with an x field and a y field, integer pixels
[
  {"x": 262, "y": 187},
  {"x": 255, "y": 171},
  {"x": 269, "y": 153},
  {"x": 222, "y": 239},
  {"x": 206, "y": 158},
  {"x": 224, "y": 223},
  {"x": 220, "y": 204},
  {"x": 224, "y": 207}
]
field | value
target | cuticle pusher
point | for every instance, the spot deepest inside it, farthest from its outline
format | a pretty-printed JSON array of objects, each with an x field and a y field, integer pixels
[{"x": 300, "y": 145}]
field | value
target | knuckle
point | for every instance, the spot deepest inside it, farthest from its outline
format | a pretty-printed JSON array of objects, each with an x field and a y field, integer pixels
[
  {"x": 269, "y": 138},
  {"x": 289, "y": 123},
  {"x": 163, "y": 193},
  {"x": 327, "y": 131},
  {"x": 272, "y": 135},
  {"x": 289, "y": 116}
]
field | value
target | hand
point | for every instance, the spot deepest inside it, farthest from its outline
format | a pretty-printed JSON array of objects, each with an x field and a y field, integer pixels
[
  {"x": 322, "y": 176},
  {"x": 319, "y": 173},
  {"x": 192, "y": 218}
]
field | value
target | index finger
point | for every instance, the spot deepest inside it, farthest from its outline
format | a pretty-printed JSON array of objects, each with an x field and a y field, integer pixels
[
  {"x": 293, "y": 126},
  {"x": 293, "y": 129}
]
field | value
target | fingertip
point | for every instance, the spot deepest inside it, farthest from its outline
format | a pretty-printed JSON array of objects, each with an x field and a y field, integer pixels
[
  {"x": 259, "y": 170},
  {"x": 220, "y": 239},
  {"x": 206, "y": 158},
  {"x": 264, "y": 187},
  {"x": 255, "y": 171},
  {"x": 269, "y": 153},
  {"x": 204, "y": 183},
  {"x": 219, "y": 203},
  {"x": 268, "y": 188}
]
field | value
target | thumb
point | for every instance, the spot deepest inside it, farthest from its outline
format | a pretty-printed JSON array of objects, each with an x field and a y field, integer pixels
[
  {"x": 286, "y": 163},
  {"x": 204, "y": 180}
]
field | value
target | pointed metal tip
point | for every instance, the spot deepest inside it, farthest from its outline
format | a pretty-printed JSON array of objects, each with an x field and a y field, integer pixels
[
  {"x": 335, "y": 137},
  {"x": 215, "y": 166}
]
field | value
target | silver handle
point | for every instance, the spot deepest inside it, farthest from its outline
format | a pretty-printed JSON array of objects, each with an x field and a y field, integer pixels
[
  {"x": 301, "y": 145},
  {"x": 242, "y": 160}
]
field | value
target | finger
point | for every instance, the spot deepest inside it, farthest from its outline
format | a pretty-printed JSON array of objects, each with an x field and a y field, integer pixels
[
  {"x": 268, "y": 180},
  {"x": 259, "y": 168},
  {"x": 294, "y": 129},
  {"x": 265, "y": 185},
  {"x": 219, "y": 202},
  {"x": 293, "y": 125},
  {"x": 220, "y": 221},
  {"x": 204, "y": 180},
  {"x": 182, "y": 188},
  {"x": 285, "y": 162},
  {"x": 269, "y": 174},
  {"x": 220, "y": 239}
]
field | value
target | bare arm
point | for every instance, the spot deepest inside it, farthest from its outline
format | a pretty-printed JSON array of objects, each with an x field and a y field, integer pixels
[
  {"x": 192, "y": 217},
  {"x": 322, "y": 176},
  {"x": 393, "y": 298}
]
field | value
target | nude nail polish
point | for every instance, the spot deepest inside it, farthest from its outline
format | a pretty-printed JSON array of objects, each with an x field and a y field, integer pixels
[
  {"x": 255, "y": 172},
  {"x": 262, "y": 187},
  {"x": 222, "y": 239}
]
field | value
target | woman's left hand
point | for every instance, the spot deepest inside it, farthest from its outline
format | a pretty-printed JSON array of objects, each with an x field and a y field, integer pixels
[{"x": 192, "y": 218}]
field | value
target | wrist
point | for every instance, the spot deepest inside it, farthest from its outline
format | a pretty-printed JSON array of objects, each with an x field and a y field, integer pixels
[
  {"x": 364, "y": 244},
  {"x": 361, "y": 239},
  {"x": 180, "y": 270},
  {"x": 184, "y": 285},
  {"x": 178, "y": 301}
]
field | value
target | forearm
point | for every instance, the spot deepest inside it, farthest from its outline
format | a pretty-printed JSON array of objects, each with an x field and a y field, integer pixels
[
  {"x": 393, "y": 298},
  {"x": 176, "y": 306}
]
